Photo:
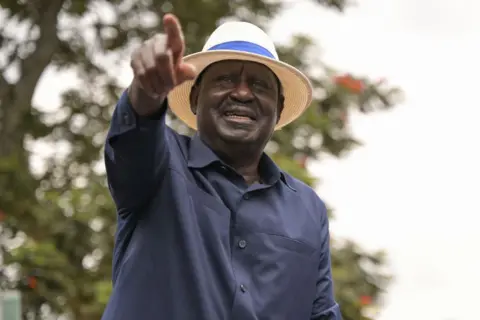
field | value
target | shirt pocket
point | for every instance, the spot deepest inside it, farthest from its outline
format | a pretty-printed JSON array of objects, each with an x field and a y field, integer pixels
[
  {"x": 284, "y": 243},
  {"x": 283, "y": 272},
  {"x": 267, "y": 248}
]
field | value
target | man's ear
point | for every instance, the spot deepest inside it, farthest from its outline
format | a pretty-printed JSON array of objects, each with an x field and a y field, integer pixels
[
  {"x": 281, "y": 102},
  {"x": 194, "y": 98}
]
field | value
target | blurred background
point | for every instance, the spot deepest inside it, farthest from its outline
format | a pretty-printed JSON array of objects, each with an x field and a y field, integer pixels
[{"x": 389, "y": 143}]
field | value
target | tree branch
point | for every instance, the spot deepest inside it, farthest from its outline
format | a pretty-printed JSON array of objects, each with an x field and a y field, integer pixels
[{"x": 17, "y": 101}]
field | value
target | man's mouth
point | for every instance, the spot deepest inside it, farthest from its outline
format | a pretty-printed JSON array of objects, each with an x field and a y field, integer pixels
[{"x": 240, "y": 115}]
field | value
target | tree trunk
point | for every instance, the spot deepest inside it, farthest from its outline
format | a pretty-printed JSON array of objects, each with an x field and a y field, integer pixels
[{"x": 15, "y": 99}]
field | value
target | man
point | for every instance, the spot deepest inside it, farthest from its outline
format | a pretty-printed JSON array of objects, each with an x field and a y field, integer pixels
[{"x": 209, "y": 228}]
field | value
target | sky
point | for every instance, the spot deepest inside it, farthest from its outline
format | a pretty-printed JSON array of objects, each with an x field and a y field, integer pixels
[{"x": 410, "y": 189}]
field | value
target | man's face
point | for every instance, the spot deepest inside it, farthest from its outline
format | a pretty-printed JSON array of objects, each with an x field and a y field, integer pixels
[{"x": 237, "y": 102}]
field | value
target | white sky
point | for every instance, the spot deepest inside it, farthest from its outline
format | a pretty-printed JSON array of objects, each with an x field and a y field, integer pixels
[{"x": 410, "y": 189}]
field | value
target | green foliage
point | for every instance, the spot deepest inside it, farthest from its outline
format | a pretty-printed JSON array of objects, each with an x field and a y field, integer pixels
[{"x": 60, "y": 220}]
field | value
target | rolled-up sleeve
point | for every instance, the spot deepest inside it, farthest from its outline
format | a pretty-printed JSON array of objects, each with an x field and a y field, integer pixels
[
  {"x": 325, "y": 306},
  {"x": 136, "y": 155}
]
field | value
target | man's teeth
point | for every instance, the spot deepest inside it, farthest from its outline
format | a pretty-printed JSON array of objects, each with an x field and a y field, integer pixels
[{"x": 231, "y": 115}]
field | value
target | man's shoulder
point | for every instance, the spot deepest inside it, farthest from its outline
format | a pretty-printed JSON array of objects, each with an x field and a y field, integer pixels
[
  {"x": 182, "y": 138},
  {"x": 306, "y": 192},
  {"x": 177, "y": 141}
]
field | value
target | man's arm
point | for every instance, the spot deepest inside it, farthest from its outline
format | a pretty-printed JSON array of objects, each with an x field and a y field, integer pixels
[
  {"x": 136, "y": 150},
  {"x": 324, "y": 306},
  {"x": 136, "y": 154}
]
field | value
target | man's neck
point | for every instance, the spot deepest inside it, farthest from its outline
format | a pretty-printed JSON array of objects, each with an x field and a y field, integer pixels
[
  {"x": 248, "y": 171},
  {"x": 243, "y": 158},
  {"x": 247, "y": 167}
]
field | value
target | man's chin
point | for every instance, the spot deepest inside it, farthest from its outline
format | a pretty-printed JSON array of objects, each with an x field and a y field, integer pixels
[{"x": 238, "y": 134}]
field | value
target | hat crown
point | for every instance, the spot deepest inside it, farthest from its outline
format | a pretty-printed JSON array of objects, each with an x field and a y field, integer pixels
[{"x": 241, "y": 36}]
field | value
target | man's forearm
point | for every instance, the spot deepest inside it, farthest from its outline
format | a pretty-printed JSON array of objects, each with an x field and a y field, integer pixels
[{"x": 136, "y": 150}]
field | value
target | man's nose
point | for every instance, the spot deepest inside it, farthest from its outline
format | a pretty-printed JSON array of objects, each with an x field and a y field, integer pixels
[{"x": 242, "y": 92}]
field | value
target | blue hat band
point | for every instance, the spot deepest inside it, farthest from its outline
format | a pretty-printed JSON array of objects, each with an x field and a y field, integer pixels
[{"x": 243, "y": 46}]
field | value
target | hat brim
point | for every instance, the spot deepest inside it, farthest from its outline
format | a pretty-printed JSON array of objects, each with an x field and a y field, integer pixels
[{"x": 297, "y": 88}]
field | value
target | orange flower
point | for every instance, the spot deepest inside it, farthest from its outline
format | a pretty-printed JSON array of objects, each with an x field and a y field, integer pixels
[
  {"x": 350, "y": 83},
  {"x": 365, "y": 300},
  {"x": 32, "y": 282}
]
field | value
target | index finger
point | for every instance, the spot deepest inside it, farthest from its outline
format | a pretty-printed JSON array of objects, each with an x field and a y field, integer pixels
[{"x": 174, "y": 33}]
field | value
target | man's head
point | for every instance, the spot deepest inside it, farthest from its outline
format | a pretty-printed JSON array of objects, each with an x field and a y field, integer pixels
[
  {"x": 240, "y": 72},
  {"x": 237, "y": 102}
]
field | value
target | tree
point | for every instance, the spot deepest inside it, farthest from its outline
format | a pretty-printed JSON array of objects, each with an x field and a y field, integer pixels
[{"x": 58, "y": 220}]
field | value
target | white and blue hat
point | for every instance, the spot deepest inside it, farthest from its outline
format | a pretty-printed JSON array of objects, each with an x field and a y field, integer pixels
[{"x": 244, "y": 41}]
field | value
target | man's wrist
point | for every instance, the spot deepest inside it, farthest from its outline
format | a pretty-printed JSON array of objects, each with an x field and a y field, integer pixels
[{"x": 144, "y": 104}]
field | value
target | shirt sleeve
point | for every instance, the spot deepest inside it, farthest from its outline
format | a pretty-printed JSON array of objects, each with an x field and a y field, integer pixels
[
  {"x": 136, "y": 155},
  {"x": 325, "y": 306}
]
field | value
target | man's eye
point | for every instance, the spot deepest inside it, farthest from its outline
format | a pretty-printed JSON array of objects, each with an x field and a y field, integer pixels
[
  {"x": 260, "y": 84},
  {"x": 225, "y": 78}
]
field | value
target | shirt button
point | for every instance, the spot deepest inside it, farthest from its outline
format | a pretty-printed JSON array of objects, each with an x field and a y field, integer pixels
[
  {"x": 246, "y": 196},
  {"x": 242, "y": 244},
  {"x": 243, "y": 288}
]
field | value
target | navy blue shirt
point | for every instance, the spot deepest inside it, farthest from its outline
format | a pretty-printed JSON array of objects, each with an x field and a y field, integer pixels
[{"x": 195, "y": 242}]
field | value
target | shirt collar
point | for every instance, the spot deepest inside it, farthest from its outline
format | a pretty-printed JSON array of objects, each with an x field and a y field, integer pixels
[{"x": 200, "y": 156}]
